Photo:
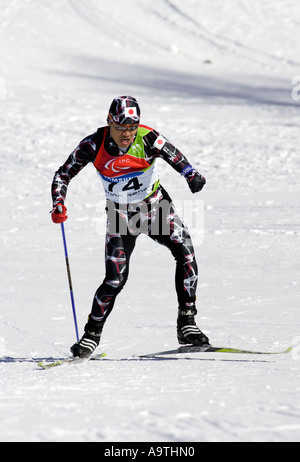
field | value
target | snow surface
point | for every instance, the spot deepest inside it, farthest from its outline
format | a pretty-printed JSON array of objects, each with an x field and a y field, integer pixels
[{"x": 216, "y": 78}]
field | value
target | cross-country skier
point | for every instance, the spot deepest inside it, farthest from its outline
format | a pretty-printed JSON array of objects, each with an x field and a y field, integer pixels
[{"x": 125, "y": 155}]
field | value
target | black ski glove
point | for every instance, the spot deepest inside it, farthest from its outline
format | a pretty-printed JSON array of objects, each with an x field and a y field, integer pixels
[{"x": 195, "y": 181}]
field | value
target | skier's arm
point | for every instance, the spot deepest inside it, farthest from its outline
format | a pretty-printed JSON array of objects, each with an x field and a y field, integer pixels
[
  {"x": 80, "y": 157},
  {"x": 161, "y": 147}
]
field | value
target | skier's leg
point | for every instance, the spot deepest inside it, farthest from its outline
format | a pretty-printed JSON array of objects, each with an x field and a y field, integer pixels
[
  {"x": 179, "y": 242},
  {"x": 176, "y": 237},
  {"x": 118, "y": 250}
]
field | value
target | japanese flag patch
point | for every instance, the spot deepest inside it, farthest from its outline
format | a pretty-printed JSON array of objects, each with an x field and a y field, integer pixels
[
  {"x": 160, "y": 142},
  {"x": 130, "y": 112}
]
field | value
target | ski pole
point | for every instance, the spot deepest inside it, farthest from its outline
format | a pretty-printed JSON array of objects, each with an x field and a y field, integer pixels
[{"x": 70, "y": 280}]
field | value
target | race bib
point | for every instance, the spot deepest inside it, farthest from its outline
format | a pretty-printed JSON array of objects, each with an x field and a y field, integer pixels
[{"x": 130, "y": 187}]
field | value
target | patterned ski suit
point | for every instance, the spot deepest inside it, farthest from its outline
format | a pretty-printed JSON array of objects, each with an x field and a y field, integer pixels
[{"x": 136, "y": 203}]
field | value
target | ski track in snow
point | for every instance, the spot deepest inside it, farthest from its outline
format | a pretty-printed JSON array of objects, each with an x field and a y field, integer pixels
[{"x": 223, "y": 96}]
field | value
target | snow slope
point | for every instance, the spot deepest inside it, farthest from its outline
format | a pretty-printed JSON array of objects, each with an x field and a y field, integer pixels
[{"x": 216, "y": 79}]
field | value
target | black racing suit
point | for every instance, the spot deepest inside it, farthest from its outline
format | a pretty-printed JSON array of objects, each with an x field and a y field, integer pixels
[{"x": 154, "y": 216}]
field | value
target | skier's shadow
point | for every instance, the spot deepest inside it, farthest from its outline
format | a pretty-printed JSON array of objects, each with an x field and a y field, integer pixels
[
  {"x": 10, "y": 359},
  {"x": 50, "y": 359},
  {"x": 159, "y": 359}
]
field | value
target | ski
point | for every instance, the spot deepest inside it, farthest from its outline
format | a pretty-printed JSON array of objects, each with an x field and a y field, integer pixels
[
  {"x": 211, "y": 349},
  {"x": 179, "y": 351},
  {"x": 65, "y": 361}
]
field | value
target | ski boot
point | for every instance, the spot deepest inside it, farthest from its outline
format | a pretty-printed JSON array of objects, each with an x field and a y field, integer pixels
[
  {"x": 90, "y": 340},
  {"x": 188, "y": 333}
]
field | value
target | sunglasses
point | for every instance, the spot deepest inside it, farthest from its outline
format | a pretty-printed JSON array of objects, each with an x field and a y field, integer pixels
[{"x": 123, "y": 128}]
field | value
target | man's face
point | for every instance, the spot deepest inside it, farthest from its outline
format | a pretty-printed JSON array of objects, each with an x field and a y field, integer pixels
[{"x": 123, "y": 135}]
